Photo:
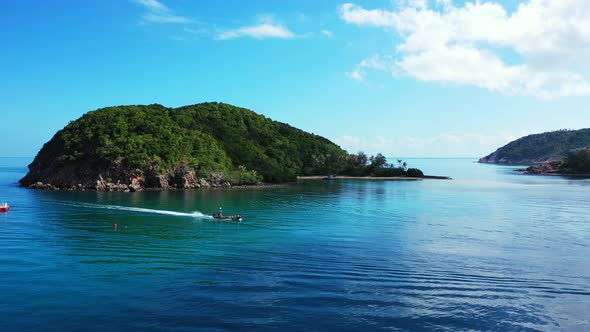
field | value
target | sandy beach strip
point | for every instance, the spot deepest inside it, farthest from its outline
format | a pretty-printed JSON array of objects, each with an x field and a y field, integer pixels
[{"x": 373, "y": 178}]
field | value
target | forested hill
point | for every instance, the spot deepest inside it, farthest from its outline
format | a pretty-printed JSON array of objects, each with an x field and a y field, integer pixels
[
  {"x": 540, "y": 148},
  {"x": 190, "y": 146}
]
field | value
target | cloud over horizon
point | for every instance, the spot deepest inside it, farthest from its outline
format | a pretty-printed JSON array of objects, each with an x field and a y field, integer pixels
[
  {"x": 540, "y": 49},
  {"x": 260, "y": 31},
  {"x": 449, "y": 144},
  {"x": 266, "y": 28}
]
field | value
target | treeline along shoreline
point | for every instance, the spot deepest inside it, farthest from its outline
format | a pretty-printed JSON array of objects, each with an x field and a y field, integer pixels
[{"x": 139, "y": 147}]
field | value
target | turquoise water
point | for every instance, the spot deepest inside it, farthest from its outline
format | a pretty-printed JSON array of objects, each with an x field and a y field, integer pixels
[{"x": 490, "y": 250}]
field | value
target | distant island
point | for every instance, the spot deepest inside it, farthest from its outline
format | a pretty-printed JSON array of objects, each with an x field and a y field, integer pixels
[
  {"x": 540, "y": 148},
  {"x": 564, "y": 152},
  {"x": 132, "y": 148}
]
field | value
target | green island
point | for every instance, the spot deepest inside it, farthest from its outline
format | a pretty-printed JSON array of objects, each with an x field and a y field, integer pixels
[
  {"x": 540, "y": 148},
  {"x": 131, "y": 148},
  {"x": 565, "y": 152}
]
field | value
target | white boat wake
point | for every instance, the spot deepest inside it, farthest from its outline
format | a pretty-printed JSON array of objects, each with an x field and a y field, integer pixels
[{"x": 194, "y": 214}]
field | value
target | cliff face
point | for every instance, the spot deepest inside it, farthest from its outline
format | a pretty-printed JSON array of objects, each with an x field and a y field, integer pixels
[
  {"x": 181, "y": 177},
  {"x": 539, "y": 148},
  {"x": 155, "y": 147}
]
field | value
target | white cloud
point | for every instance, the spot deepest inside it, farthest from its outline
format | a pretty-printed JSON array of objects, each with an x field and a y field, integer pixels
[
  {"x": 260, "y": 31},
  {"x": 157, "y": 12},
  {"x": 357, "y": 74},
  {"x": 165, "y": 18},
  {"x": 377, "y": 62},
  {"x": 546, "y": 41},
  {"x": 152, "y": 5},
  {"x": 352, "y": 13},
  {"x": 327, "y": 33}
]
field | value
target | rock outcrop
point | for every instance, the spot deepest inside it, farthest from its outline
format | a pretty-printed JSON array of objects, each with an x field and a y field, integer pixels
[
  {"x": 180, "y": 177},
  {"x": 551, "y": 167}
]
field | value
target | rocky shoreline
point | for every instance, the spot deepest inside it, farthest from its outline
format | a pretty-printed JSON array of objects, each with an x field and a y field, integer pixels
[
  {"x": 552, "y": 167},
  {"x": 180, "y": 178},
  {"x": 555, "y": 167},
  {"x": 114, "y": 187}
]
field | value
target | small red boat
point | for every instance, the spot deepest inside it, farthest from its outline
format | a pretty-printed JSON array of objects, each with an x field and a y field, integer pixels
[{"x": 4, "y": 207}]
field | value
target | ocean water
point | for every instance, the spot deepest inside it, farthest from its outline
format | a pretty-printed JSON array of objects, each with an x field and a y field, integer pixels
[{"x": 490, "y": 250}]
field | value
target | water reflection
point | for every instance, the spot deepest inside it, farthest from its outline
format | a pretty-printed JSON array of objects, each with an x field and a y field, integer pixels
[{"x": 491, "y": 250}]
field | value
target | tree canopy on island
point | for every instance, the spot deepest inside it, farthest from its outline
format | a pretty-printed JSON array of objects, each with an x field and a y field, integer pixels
[
  {"x": 577, "y": 162},
  {"x": 208, "y": 137},
  {"x": 540, "y": 147}
]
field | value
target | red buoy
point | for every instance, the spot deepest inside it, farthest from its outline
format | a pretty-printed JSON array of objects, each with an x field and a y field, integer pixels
[{"x": 4, "y": 207}]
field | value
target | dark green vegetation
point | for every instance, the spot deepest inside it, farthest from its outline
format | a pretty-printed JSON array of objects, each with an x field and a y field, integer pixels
[
  {"x": 577, "y": 162},
  {"x": 540, "y": 148},
  {"x": 361, "y": 165},
  {"x": 177, "y": 146}
]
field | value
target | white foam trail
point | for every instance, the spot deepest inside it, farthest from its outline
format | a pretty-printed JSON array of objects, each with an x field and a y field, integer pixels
[{"x": 195, "y": 214}]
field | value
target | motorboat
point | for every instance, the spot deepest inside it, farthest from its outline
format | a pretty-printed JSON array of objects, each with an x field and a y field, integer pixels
[{"x": 222, "y": 217}]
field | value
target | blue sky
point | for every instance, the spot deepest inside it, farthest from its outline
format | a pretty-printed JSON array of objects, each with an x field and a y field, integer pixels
[{"x": 412, "y": 78}]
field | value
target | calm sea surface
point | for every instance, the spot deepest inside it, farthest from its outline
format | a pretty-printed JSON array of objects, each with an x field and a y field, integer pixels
[{"x": 490, "y": 250}]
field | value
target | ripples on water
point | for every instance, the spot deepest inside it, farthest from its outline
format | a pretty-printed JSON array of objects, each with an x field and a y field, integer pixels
[{"x": 489, "y": 251}]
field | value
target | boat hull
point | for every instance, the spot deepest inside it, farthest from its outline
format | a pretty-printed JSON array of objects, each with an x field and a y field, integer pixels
[{"x": 228, "y": 217}]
